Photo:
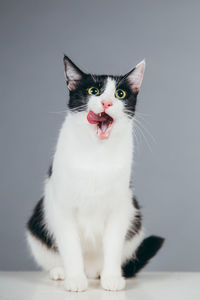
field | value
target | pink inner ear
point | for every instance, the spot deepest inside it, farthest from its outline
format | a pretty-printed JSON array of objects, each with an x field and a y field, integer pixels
[
  {"x": 136, "y": 77},
  {"x": 72, "y": 84},
  {"x": 136, "y": 89},
  {"x": 137, "y": 83}
]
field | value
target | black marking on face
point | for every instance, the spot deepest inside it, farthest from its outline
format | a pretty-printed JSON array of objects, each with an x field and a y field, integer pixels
[
  {"x": 79, "y": 96},
  {"x": 130, "y": 100},
  {"x": 136, "y": 222},
  {"x": 38, "y": 228}
]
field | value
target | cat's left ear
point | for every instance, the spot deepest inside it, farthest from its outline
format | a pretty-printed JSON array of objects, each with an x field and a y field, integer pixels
[
  {"x": 72, "y": 73},
  {"x": 135, "y": 77}
]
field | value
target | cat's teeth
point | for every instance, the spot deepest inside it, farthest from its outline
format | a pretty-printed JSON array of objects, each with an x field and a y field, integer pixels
[
  {"x": 104, "y": 130},
  {"x": 104, "y": 127}
]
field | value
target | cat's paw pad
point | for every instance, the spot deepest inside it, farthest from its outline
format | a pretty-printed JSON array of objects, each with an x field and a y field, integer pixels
[
  {"x": 113, "y": 283},
  {"x": 76, "y": 284},
  {"x": 57, "y": 273}
]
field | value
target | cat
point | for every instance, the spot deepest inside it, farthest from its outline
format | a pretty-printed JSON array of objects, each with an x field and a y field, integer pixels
[{"x": 88, "y": 224}]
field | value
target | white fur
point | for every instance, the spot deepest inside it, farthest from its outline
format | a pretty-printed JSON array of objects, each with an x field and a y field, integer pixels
[
  {"x": 44, "y": 257},
  {"x": 88, "y": 203}
]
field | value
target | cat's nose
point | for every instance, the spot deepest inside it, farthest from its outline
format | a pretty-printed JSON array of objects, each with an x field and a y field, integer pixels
[{"x": 106, "y": 103}]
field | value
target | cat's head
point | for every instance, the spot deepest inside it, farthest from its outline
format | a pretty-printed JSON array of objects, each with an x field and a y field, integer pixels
[{"x": 106, "y": 99}]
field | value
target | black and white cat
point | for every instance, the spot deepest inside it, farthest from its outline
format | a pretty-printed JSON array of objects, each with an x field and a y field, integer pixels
[{"x": 88, "y": 225}]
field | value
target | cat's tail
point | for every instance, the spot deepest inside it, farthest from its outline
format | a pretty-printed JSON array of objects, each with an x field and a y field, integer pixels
[{"x": 147, "y": 249}]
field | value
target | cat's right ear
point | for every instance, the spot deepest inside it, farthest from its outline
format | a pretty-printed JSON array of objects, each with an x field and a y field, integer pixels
[
  {"x": 135, "y": 77},
  {"x": 72, "y": 73}
]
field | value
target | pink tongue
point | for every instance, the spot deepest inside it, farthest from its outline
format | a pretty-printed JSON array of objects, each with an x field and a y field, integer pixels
[
  {"x": 94, "y": 118},
  {"x": 103, "y": 131}
]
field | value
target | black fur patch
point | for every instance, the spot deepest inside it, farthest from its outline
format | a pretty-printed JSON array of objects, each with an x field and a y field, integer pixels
[
  {"x": 36, "y": 225},
  {"x": 79, "y": 94},
  {"x": 79, "y": 97},
  {"x": 136, "y": 223},
  {"x": 131, "y": 98},
  {"x": 148, "y": 249}
]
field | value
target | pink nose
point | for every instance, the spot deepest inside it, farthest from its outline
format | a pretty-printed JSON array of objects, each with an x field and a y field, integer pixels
[{"x": 106, "y": 103}]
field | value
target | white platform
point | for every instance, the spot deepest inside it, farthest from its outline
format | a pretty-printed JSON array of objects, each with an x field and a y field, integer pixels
[{"x": 147, "y": 286}]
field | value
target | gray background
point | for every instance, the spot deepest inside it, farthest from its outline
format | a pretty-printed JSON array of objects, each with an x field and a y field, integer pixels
[{"x": 103, "y": 37}]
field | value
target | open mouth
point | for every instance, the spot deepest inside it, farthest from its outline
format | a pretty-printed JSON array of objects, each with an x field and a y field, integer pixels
[{"x": 103, "y": 121}]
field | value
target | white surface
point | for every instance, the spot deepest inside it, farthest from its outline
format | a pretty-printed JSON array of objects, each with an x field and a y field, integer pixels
[{"x": 153, "y": 286}]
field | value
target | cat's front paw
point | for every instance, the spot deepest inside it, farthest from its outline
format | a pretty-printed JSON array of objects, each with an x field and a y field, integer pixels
[
  {"x": 57, "y": 273},
  {"x": 113, "y": 283},
  {"x": 76, "y": 284}
]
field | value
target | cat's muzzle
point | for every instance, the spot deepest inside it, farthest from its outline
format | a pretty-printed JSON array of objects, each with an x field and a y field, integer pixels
[{"x": 103, "y": 122}]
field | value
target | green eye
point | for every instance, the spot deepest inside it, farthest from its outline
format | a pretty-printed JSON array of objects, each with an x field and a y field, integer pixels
[
  {"x": 93, "y": 91},
  {"x": 120, "y": 94}
]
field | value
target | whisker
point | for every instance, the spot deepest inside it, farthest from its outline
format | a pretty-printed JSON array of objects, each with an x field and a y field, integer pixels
[
  {"x": 137, "y": 144},
  {"x": 122, "y": 79},
  {"x": 78, "y": 109},
  {"x": 75, "y": 109},
  {"x": 143, "y": 118},
  {"x": 57, "y": 112},
  {"x": 143, "y": 135},
  {"x": 129, "y": 112},
  {"x": 80, "y": 106},
  {"x": 142, "y": 114},
  {"x": 92, "y": 75},
  {"x": 145, "y": 129},
  {"x": 117, "y": 81}
]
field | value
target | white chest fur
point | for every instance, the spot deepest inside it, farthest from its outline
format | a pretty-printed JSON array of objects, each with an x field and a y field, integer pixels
[
  {"x": 91, "y": 176},
  {"x": 92, "y": 167}
]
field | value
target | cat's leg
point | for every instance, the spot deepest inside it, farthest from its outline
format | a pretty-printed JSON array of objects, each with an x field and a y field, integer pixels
[
  {"x": 68, "y": 242},
  {"x": 48, "y": 259},
  {"x": 113, "y": 242}
]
